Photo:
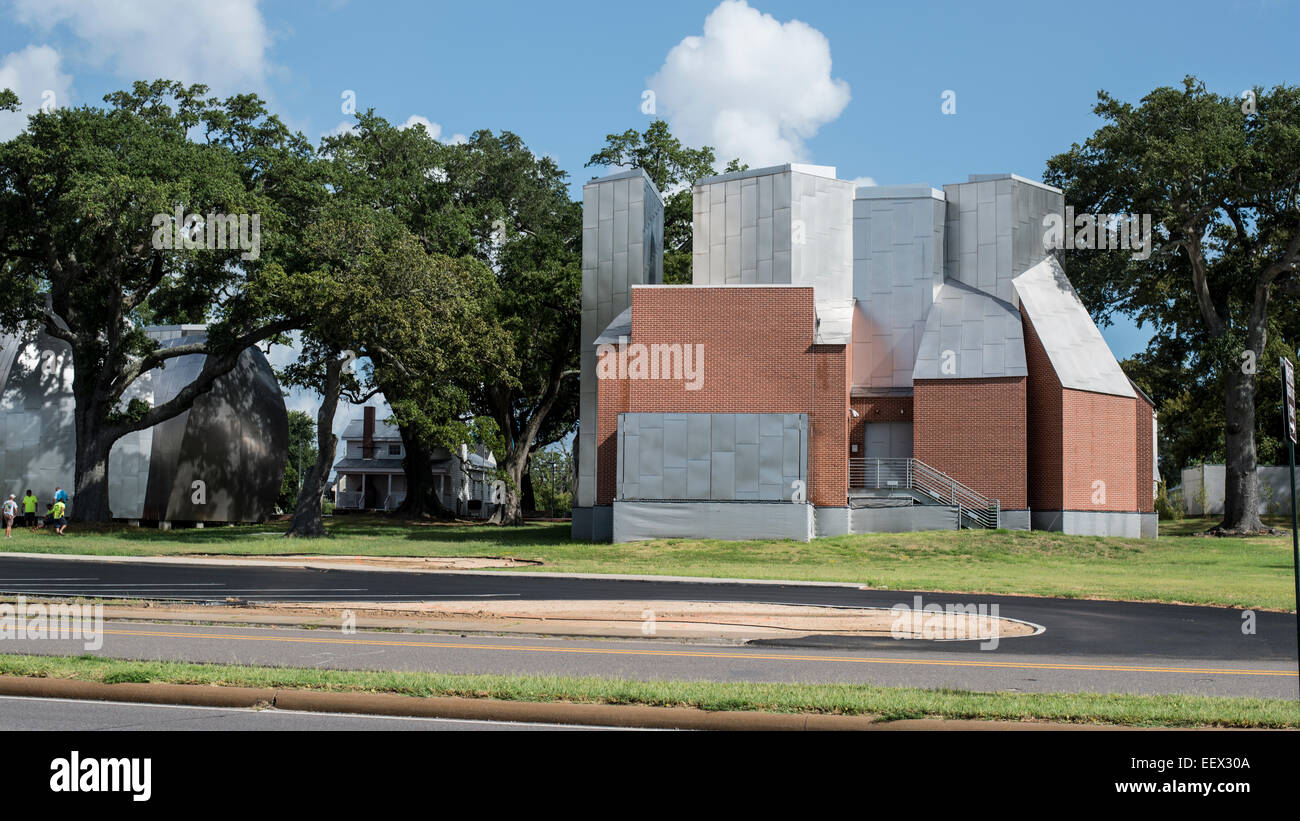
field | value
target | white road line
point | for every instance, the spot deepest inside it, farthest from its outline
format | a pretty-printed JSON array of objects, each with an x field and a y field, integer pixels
[
  {"x": 130, "y": 584},
  {"x": 52, "y": 579}
]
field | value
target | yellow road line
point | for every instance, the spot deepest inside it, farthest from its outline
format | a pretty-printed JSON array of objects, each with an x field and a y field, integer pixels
[{"x": 747, "y": 656}]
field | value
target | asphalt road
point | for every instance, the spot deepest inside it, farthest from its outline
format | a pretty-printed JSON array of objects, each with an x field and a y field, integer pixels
[
  {"x": 1086, "y": 645},
  {"x": 900, "y": 665},
  {"x": 1073, "y": 627},
  {"x": 77, "y": 715}
]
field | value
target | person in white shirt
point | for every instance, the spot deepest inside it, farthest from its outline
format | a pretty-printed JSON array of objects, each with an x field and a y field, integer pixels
[{"x": 10, "y": 511}]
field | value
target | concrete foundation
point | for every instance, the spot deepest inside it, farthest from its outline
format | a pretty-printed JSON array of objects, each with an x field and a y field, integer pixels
[
  {"x": 831, "y": 521},
  {"x": 902, "y": 519},
  {"x": 1014, "y": 519},
  {"x": 1131, "y": 525},
  {"x": 593, "y": 524},
  {"x": 638, "y": 521}
]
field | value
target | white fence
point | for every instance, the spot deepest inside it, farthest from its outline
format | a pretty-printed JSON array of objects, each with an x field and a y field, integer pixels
[
  {"x": 348, "y": 500},
  {"x": 1274, "y": 490}
]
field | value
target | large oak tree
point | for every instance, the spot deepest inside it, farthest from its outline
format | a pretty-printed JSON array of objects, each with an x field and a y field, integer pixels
[
  {"x": 1220, "y": 177},
  {"x": 407, "y": 315},
  {"x": 85, "y": 195}
]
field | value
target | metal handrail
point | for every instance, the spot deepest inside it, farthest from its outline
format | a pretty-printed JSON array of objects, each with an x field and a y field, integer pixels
[
  {"x": 908, "y": 473},
  {"x": 393, "y": 500}
]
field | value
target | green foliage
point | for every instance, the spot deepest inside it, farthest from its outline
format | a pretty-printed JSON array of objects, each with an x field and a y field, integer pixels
[
  {"x": 440, "y": 315},
  {"x": 1166, "y": 508},
  {"x": 300, "y": 458},
  {"x": 1223, "y": 189},
  {"x": 1272, "y": 505},
  {"x": 552, "y": 472},
  {"x": 673, "y": 168},
  {"x": 88, "y": 198}
]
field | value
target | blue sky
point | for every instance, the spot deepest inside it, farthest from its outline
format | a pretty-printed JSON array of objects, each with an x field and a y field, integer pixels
[{"x": 858, "y": 86}]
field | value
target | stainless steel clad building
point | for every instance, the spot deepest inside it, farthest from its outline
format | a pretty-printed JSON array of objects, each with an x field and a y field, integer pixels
[
  {"x": 622, "y": 246},
  {"x": 220, "y": 461}
]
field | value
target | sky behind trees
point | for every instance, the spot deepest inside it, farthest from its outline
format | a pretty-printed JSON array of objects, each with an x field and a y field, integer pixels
[{"x": 855, "y": 85}]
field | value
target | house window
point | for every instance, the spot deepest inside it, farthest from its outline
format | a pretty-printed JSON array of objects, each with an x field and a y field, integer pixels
[{"x": 394, "y": 450}]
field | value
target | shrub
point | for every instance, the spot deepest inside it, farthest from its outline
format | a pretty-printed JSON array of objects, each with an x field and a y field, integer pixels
[{"x": 1167, "y": 508}]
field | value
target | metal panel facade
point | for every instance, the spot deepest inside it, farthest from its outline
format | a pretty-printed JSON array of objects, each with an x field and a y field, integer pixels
[
  {"x": 622, "y": 245},
  {"x": 995, "y": 229},
  {"x": 233, "y": 440},
  {"x": 897, "y": 268},
  {"x": 785, "y": 225},
  {"x": 712, "y": 456}
]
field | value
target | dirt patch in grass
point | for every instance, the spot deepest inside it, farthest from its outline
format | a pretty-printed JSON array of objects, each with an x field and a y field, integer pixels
[{"x": 727, "y": 620}]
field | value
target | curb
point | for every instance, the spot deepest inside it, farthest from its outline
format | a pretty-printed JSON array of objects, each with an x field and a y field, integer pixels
[
  {"x": 619, "y": 716},
  {"x": 391, "y": 704},
  {"x": 288, "y": 561},
  {"x": 188, "y": 695},
  {"x": 474, "y": 709}
]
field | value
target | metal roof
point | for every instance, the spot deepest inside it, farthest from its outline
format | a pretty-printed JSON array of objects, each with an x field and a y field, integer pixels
[
  {"x": 897, "y": 192},
  {"x": 834, "y": 322},
  {"x": 620, "y": 326},
  {"x": 1079, "y": 355},
  {"x": 827, "y": 171},
  {"x": 976, "y": 333},
  {"x": 1005, "y": 176},
  {"x": 368, "y": 466},
  {"x": 385, "y": 430},
  {"x": 630, "y": 173}
]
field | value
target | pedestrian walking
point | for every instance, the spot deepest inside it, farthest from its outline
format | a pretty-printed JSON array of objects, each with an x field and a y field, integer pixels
[
  {"x": 10, "y": 512},
  {"x": 57, "y": 518}
]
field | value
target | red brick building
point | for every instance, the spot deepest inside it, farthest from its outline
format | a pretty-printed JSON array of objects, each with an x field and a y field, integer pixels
[{"x": 882, "y": 359}]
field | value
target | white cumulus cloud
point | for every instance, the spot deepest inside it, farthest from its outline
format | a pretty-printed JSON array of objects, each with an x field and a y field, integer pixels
[
  {"x": 751, "y": 86},
  {"x": 36, "y": 75},
  {"x": 434, "y": 130},
  {"x": 223, "y": 45}
]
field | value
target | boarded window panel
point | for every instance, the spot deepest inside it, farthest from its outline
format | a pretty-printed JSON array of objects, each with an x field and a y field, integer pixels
[{"x": 704, "y": 456}]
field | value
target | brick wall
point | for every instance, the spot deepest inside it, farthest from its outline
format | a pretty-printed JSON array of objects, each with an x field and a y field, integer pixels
[
  {"x": 1100, "y": 446},
  {"x": 876, "y": 409},
  {"x": 828, "y": 440},
  {"x": 974, "y": 430},
  {"x": 1146, "y": 501},
  {"x": 611, "y": 400},
  {"x": 758, "y": 357},
  {"x": 1045, "y": 446}
]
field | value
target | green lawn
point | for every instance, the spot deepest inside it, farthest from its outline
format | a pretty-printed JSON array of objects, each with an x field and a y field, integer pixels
[
  {"x": 1177, "y": 567},
  {"x": 886, "y": 703}
]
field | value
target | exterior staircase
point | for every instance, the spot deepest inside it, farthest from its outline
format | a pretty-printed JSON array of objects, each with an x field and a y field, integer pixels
[{"x": 904, "y": 481}]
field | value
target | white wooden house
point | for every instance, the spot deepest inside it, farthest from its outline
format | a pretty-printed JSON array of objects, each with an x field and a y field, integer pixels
[{"x": 369, "y": 473}]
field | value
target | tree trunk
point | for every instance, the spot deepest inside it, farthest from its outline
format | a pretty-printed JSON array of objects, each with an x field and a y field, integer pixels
[
  {"x": 90, "y": 494},
  {"x": 529, "y": 500},
  {"x": 308, "y": 518},
  {"x": 1241, "y": 485},
  {"x": 421, "y": 483},
  {"x": 1241, "y": 489},
  {"x": 508, "y": 510},
  {"x": 94, "y": 441}
]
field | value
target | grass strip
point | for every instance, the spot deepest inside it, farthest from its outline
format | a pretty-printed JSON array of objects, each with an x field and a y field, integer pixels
[{"x": 884, "y": 703}]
